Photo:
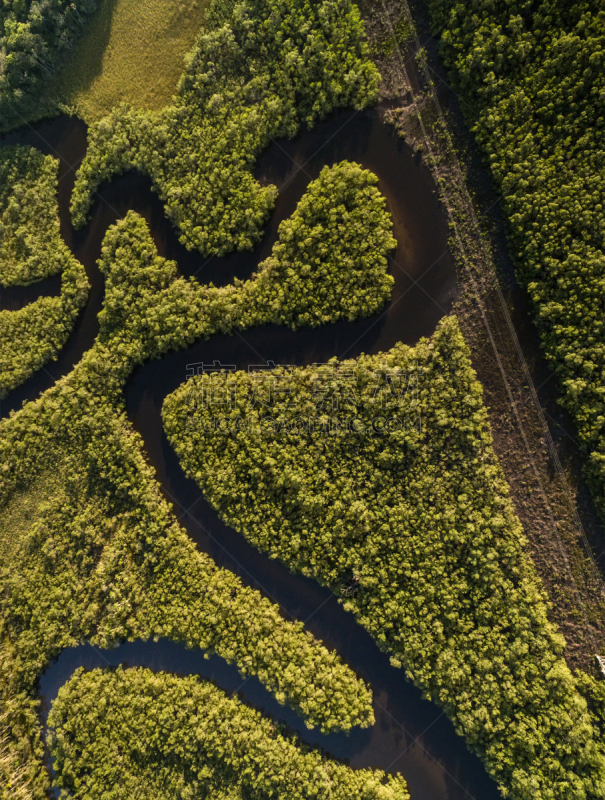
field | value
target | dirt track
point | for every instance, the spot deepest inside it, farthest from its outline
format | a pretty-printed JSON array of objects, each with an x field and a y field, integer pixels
[{"x": 533, "y": 438}]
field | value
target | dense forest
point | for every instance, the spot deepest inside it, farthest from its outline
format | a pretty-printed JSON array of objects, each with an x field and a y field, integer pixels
[
  {"x": 90, "y": 550},
  {"x": 260, "y": 69},
  {"x": 377, "y": 476},
  {"x": 158, "y": 736},
  {"x": 329, "y": 263},
  {"x": 33, "y": 35},
  {"x": 532, "y": 75},
  {"x": 31, "y": 248}
]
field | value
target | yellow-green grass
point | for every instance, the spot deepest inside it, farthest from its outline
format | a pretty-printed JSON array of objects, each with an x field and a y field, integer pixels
[
  {"x": 132, "y": 51},
  {"x": 24, "y": 509}
]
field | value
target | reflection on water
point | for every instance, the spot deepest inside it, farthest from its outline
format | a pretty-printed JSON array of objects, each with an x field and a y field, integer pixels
[{"x": 411, "y": 735}]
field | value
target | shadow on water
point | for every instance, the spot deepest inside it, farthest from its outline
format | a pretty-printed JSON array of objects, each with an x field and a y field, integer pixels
[
  {"x": 12, "y": 298},
  {"x": 411, "y": 735}
]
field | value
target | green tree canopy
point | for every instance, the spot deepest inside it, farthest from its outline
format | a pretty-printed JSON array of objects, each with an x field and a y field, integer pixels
[
  {"x": 31, "y": 248},
  {"x": 260, "y": 70},
  {"x": 377, "y": 476},
  {"x": 33, "y": 35},
  {"x": 134, "y": 733},
  {"x": 89, "y": 548},
  {"x": 533, "y": 75}
]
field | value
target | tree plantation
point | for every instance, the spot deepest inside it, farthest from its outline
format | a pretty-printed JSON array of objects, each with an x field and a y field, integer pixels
[
  {"x": 379, "y": 474},
  {"x": 31, "y": 248},
  {"x": 99, "y": 555},
  {"x": 259, "y": 70},
  {"x": 534, "y": 75},
  {"x": 160, "y": 736}
]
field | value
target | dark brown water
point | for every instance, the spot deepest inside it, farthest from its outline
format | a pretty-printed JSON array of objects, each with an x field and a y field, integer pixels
[
  {"x": 13, "y": 298},
  {"x": 411, "y": 735}
]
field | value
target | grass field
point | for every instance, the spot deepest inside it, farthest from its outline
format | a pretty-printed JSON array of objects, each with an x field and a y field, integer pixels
[
  {"x": 132, "y": 51},
  {"x": 25, "y": 510}
]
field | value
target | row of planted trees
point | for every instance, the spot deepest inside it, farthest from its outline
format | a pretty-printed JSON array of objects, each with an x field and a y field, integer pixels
[{"x": 533, "y": 79}]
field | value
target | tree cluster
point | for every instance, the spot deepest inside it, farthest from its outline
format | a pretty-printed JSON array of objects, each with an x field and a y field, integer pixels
[
  {"x": 155, "y": 735},
  {"x": 594, "y": 693},
  {"x": 403, "y": 510},
  {"x": 30, "y": 239},
  {"x": 33, "y": 35},
  {"x": 329, "y": 263},
  {"x": 90, "y": 550},
  {"x": 260, "y": 70},
  {"x": 533, "y": 74},
  {"x": 31, "y": 248}
]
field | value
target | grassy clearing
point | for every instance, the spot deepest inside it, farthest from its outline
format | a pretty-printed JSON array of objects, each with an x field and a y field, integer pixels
[
  {"x": 24, "y": 510},
  {"x": 132, "y": 52}
]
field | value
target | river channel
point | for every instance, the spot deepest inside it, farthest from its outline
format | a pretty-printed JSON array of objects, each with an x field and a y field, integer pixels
[{"x": 411, "y": 735}]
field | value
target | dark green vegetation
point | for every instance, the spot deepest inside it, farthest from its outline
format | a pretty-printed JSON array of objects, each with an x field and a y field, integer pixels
[
  {"x": 31, "y": 248},
  {"x": 89, "y": 550},
  {"x": 260, "y": 70},
  {"x": 33, "y": 35},
  {"x": 415, "y": 530},
  {"x": 534, "y": 76},
  {"x": 132, "y": 733}
]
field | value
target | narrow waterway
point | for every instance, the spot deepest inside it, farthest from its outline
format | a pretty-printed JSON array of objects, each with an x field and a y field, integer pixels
[{"x": 411, "y": 735}]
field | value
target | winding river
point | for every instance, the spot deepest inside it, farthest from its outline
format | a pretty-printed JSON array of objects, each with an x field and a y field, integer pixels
[{"x": 411, "y": 735}]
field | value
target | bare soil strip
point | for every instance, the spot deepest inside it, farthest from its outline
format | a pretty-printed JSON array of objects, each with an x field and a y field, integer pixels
[{"x": 552, "y": 502}]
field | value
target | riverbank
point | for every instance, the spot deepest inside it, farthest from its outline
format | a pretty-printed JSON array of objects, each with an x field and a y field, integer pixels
[
  {"x": 532, "y": 438},
  {"x": 411, "y": 734}
]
